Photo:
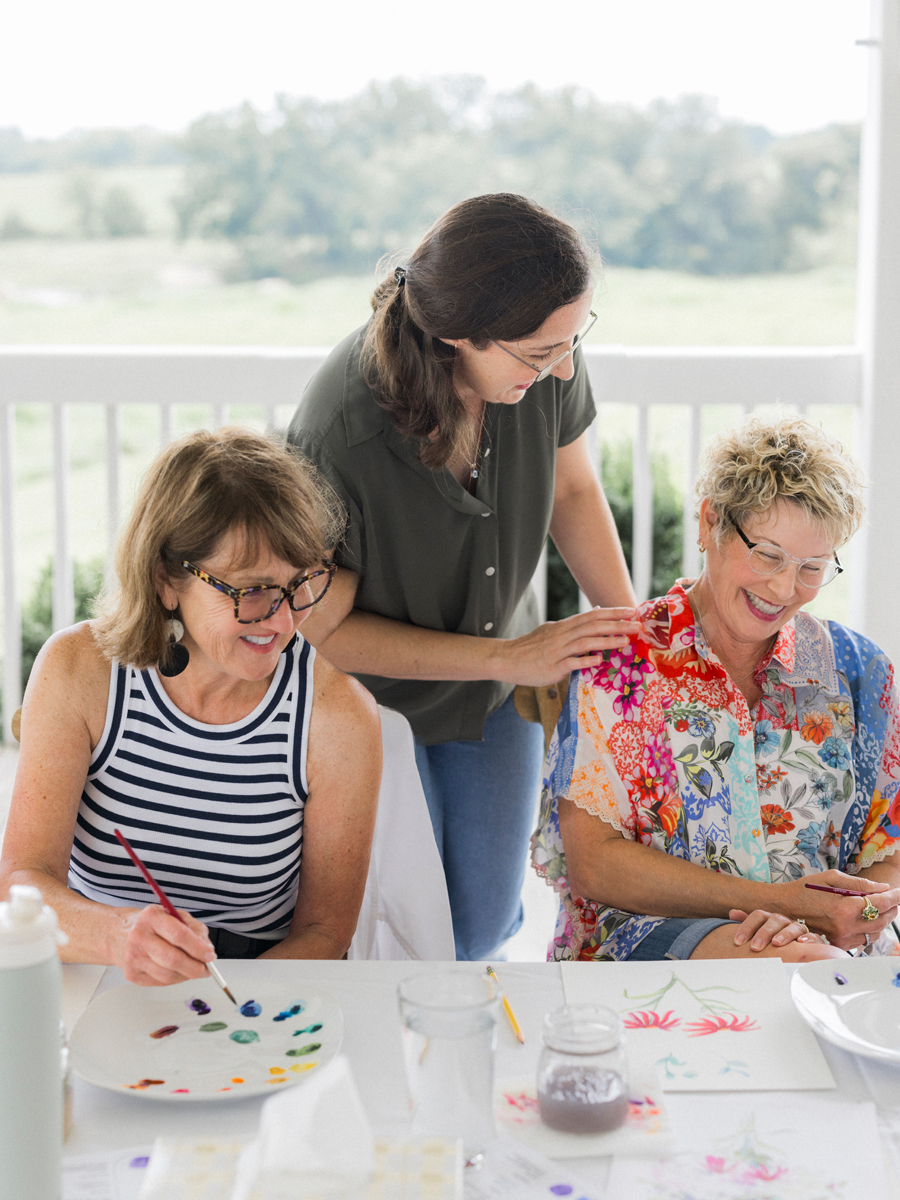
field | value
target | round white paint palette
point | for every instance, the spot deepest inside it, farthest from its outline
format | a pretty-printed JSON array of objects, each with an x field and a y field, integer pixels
[
  {"x": 112, "y": 1045},
  {"x": 861, "y": 1014}
]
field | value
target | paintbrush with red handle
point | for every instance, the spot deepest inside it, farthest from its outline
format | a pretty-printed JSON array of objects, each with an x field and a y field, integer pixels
[{"x": 171, "y": 910}]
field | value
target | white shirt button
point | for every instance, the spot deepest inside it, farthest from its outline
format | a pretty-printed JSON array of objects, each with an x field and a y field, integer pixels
[
  {"x": 489, "y": 571},
  {"x": 489, "y": 626}
]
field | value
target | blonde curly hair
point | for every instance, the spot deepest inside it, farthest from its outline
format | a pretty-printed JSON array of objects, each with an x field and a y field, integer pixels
[{"x": 746, "y": 469}]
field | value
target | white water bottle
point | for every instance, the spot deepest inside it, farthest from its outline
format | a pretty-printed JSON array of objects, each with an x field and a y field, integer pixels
[{"x": 30, "y": 1084}]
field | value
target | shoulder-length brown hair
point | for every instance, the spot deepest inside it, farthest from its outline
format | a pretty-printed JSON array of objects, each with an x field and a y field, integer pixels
[
  {"x": 492, "y": 268},
  {"x": 200, "y": 488}
]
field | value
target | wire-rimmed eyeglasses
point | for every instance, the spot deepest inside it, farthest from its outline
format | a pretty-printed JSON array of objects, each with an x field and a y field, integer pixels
[
  {"x": 252, "y": 604},
  {"x": 766, "y": 559},
  {"x": 542, "y": 372}
]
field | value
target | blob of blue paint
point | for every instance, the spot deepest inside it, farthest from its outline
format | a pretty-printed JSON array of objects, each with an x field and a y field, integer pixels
[
  {"x": 200, "y": 1007},
  {"x": 308, "y": 1029},
  {"x": 290, "y": 1011},
  {"x": 839, "y": 978},
  {"x": 251, "y": 1009},
  {"x": 896, "y": 980}
]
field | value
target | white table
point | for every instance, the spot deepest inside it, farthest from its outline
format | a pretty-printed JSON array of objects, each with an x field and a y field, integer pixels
[{"x": 366, "y": 991}]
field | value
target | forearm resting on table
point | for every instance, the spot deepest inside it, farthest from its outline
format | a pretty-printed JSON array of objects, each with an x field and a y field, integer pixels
[
  {"x": 312, "y": 942},
  {"x": 92, "y": 929},
  {"x": 640, "y": 879}
]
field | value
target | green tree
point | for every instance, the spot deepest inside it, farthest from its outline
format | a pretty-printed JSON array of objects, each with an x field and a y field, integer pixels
[
  {"x": 37, "y": 622},
  {"x": 121, "y": 214}
]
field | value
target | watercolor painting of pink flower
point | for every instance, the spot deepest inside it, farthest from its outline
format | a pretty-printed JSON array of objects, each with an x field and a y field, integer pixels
[
  {"x": 730, "y": 1022},
  {"x": 651, "y": 1020}
]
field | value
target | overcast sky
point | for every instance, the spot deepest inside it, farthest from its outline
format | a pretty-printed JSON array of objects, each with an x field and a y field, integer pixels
[{"x": 787, "y": 64}]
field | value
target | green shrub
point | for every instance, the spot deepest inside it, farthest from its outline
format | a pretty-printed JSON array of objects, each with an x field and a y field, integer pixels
[
  {"x": 562, "y": 590},
  {"x": 36, "y": 612}
]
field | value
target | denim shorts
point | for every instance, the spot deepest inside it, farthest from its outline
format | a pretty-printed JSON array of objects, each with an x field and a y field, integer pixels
[{"x": 678, "y": 937}]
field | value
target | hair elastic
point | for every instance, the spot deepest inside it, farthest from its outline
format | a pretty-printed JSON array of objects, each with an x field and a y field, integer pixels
[{"x": 400, "y": 275}]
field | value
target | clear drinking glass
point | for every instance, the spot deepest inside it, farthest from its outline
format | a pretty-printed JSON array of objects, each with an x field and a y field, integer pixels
[
  {"x": 449, "y": 1038},
  {"x": 582, "y": 1081}
]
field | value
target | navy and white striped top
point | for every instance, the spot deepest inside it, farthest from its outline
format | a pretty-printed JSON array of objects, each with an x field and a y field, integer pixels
[{"x": 214, "y": 811}]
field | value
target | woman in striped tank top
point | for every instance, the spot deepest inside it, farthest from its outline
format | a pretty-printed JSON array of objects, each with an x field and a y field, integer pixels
[{"x": 193, "y": 716}]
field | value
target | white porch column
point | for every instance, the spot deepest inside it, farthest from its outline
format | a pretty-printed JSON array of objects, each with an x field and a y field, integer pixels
[{"x": 874, "y": 594}]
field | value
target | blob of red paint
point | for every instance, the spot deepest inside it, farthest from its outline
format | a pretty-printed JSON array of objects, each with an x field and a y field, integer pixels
[
  {"x": 165, "y": 1031},
  {"x": 176, "y": 1090}
]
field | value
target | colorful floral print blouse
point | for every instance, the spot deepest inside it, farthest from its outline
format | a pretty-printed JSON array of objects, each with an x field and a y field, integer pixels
[{"x": 659, "y": 743}]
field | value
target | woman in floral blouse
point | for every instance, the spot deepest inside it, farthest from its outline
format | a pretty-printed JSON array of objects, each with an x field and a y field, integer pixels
[{"x": 738, "y": 748}]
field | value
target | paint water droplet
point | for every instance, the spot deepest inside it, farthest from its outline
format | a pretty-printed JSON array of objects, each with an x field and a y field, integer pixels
[
  {"x": 244, "y": 1036},
  {"x": 291, "y": 1011},
  {"x": 839, "y": 978},
  {"x": 251, "y": 1009},
  {"x": 200, "y": 1007},
  {"x": 144, "y": 1083},
  {"x": 310, "y": 1049},
  {"x": 165, "y": 1031},
  {"x": 213, "y": 1027},
  {"x": 308, "y": 1029}
]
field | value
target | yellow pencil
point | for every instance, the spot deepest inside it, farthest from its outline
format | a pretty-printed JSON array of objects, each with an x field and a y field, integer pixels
[{"x": 507, "y": 1008}]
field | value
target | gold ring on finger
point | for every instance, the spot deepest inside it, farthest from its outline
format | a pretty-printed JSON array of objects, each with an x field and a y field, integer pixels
[
  {"x": 800, "y": 921},
  {"x": 870, "y": 912}
]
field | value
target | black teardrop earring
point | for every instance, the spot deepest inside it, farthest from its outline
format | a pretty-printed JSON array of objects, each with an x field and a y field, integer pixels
[{"x": 177, "y": 656}]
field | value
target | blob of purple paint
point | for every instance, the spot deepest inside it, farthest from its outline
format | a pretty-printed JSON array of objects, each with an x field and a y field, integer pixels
[
  {"x": 561, "y": 1189},
  {"x": 200, "y": 1007},
  {"x": 251, "y": 1009},
  {"x": 839, "y": 978},
  {"x": 140, "y": 1162}
]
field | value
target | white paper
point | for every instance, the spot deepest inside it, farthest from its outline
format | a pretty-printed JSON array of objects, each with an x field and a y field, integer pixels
[
  {"x": 511, "y": 1171},
  {"x": 115, "y": 1175},
  {"x": 646, "y": 1131},
  {"x": 764, "y": 1147},
  {"x": 707, "y": 1024}
]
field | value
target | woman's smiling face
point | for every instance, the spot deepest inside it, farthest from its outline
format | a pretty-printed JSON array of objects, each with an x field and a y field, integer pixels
[
  {"x": 750, "y": 608},
  {"x": 217, "y": 642}
]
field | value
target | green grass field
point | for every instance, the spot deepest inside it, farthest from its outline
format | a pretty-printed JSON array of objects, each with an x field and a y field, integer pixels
[{"x": 154, "y": 290}]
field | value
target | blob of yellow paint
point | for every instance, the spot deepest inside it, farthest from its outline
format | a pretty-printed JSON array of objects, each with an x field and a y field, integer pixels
[
  {"x": 276, "y": 1070},
  {"x": 302, "y": 1067}
]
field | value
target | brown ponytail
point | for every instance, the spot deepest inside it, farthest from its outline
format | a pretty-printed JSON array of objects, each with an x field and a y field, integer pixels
[{"x": 492, "y": 268}]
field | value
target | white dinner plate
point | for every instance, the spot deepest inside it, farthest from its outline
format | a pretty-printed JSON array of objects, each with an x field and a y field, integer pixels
[
  {"x": 217, "y": 1054},
  {"x": 853, "y": 1003}
]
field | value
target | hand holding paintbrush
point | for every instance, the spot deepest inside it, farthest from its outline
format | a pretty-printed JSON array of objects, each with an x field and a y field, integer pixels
[{"x": 171, "y": 909}]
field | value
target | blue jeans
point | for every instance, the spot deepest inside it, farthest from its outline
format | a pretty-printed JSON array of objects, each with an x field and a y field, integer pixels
[
  {"x": 482, "y": 798},
  {"x": 676, "y": 938}
]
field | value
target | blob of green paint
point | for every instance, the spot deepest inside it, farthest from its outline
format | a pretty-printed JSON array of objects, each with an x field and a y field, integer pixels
[
  {"x": 244, "y": 1036},
  {"x": 308, "y": 1029},
  {"x": 300, "y": 1050},
  {"x": 213, "y": 1027}
]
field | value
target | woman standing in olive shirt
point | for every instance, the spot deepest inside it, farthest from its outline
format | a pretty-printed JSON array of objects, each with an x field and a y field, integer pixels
[{"x": 453, "y": 427}]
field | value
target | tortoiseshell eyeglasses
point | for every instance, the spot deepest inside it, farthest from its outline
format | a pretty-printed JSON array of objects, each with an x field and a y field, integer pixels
[{"x": 252, "y": 604}]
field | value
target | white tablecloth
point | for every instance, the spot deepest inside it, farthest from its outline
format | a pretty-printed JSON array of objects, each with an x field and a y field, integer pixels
[{"x": 366, "y": 992}]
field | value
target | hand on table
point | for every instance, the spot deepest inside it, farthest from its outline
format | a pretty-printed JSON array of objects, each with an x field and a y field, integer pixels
[
  {"x": 554, "y": 649},
  {"x": 156, "y": 949}
]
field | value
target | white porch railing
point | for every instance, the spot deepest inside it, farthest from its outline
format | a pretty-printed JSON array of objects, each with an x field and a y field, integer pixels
[{"x": 273, "y": 378}]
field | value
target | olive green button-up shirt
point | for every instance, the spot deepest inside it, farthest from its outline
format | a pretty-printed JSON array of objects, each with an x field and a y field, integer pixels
[{"x": 428, "y": 552}]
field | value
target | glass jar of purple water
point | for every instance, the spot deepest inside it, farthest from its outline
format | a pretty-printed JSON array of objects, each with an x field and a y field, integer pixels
[{"x": 582, "y": 1083}]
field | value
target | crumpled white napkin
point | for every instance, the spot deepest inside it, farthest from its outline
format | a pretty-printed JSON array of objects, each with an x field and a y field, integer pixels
[{"x": 314, "y": 1139}]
